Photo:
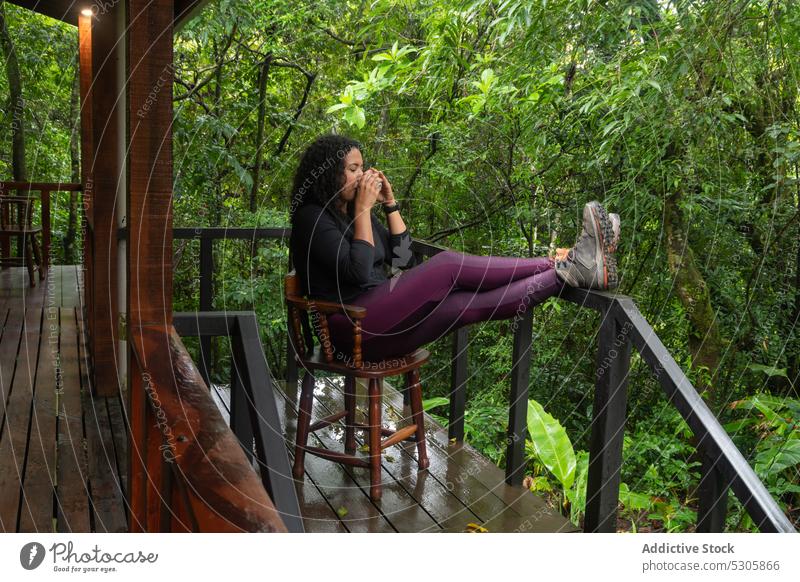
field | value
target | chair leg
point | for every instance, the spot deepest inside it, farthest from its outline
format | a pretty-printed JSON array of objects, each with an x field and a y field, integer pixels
[
  {"x": 303, "y": 423},
  {"x": 415, "y": 391},
  {"x": 375, "y": 386},
  {"x": 37, "y": 255},
  {"x": 350, "y": 419},
  {"x": 26, "y": 243}
]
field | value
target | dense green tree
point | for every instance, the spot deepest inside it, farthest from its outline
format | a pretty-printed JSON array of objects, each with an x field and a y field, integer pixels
[{"x": 496, "y": 120}]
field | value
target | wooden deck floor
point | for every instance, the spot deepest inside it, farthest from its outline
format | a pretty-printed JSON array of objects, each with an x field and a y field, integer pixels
[
  {"x": 460, "y": 487},
  {"x": 62, "y": 452}
]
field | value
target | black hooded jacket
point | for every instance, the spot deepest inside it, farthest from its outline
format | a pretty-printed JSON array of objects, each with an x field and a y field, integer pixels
[{"x": 333, "y": 266}]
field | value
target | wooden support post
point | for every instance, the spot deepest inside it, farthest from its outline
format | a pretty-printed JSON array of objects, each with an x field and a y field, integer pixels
[
  {"x": 149, "y": 211},
  {"x": 85, "y": 25},
  {"x": 518, "y": 400},
  {"x": 458, "y": 384},
  {"x": 608, "y": 425},
  {"x": 107, "y": 176}
]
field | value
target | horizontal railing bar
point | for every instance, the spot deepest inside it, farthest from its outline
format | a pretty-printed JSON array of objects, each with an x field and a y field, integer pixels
[
  {"x": 597, "y": 300},
  {"x": 206, "y": 323},
  {"x": 37, "y": 186},
  {"x": 221, "y": 232}
]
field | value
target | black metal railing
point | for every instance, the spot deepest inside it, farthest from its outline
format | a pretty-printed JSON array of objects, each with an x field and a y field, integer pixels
[
  {"x": 207, "y": 236},
  {"x": 622, "y": 327}
]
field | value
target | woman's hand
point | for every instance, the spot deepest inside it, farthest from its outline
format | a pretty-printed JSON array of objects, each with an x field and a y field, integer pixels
[
  {"x": 386, "y": 195},
  {"x": 368, "y": 190}
]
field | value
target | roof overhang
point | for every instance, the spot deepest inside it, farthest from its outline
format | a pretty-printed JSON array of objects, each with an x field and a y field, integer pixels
[{"x": 68, "y": 10}]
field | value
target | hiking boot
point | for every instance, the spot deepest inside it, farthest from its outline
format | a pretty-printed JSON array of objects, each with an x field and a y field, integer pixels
[{"x": 591, "y": 263}]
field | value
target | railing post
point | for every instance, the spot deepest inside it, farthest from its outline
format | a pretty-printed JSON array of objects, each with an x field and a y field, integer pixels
[
  {"x": 608, "y": 424},
  {"x": 240, "y": 407},
  {"x": 258, "y": 399},
  {"x": 713, "y": 497},
  {"x": 458, "y": 384},
  {"x": 518, "y": 400},
  {"x": 206, "y": 301}
]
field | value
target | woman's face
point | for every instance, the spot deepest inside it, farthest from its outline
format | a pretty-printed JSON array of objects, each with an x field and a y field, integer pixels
[{"x": 353, "y": 170}]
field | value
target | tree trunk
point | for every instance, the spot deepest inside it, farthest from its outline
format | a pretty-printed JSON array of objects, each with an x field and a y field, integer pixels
[
  {"x": 75, "y": 166},
  {"x": 705, "y": 342},
  {"x": 262, "y": 113},
  {"x": 16, "y": 101},
  {"x": 794, "y": 363}
]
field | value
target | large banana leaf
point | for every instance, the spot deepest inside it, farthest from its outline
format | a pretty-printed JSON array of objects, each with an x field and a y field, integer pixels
[{"x": 551, "y": 443}]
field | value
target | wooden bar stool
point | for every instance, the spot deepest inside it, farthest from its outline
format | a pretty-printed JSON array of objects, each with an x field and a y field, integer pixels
[{"x": 351, "y": 366}]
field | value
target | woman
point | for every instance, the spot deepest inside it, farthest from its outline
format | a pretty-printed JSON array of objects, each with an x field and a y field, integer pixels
[{"x": 340, "y": 250}]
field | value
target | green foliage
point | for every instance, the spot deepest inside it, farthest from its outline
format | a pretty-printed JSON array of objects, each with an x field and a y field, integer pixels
[
  {"x": 496, "y": 121},
  {"x": 551, "y": 444}
]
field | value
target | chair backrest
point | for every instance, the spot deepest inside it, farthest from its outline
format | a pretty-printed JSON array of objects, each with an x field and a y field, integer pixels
[
  {"x": 299, "y": 327},
  {"x": 300, "y": 309},
  {"x": 16, "y": 212}
]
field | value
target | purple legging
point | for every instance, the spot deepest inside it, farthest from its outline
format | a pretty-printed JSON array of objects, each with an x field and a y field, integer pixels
[{"x": 446, "y": 292}]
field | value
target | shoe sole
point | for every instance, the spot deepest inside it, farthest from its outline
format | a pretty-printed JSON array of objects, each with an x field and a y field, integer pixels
[
  {"x": 615, "y": 229},
  {"x": 604, "y": 232}
]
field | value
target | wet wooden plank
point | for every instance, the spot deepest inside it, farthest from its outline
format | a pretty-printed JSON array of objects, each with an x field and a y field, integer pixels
[
  {"x": 411, "y": 486},
  {"x": 14, "y": 439},
  {"x": 318, "y": 516},
  {"x": 37, "y": 511},
  {"x": 399, "y": 507},
  {"x": 458, "y": 480},
  {"x": 519, "y": 499},
  {"x": 107, "y": 501},
  {"x": 52, "y": 288},
  {"x": 69, "y": 285},
  {"x": 72, "y": 486},
  {"x": 221, "y": 395},
  {"x": 9, "y": 346},
  {"x": 533, "y": 510},
  {"x": 14, "y": 283},
  {"x": 333, "y": 482}
]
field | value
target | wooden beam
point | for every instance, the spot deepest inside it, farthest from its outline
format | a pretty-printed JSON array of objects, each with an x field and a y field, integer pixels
[
  {"x": 64, "y": 10},
  {"x": 85, "y": 30},
  {"x": 185, "y": 10},
  {"x": 69, "y": 10}
]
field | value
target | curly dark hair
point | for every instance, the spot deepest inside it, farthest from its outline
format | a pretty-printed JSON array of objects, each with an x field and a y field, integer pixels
[{"x": 319, "y": 176}]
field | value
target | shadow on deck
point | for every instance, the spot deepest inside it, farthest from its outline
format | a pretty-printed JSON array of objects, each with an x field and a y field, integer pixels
[{"x": 62, "y": 451}]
